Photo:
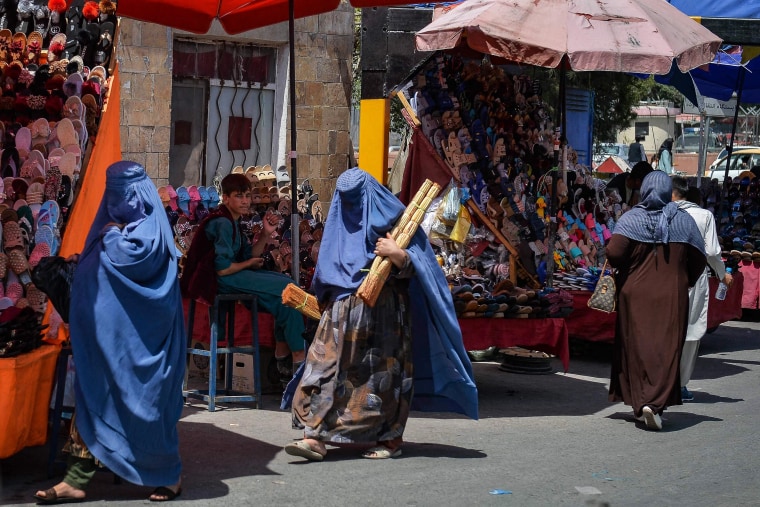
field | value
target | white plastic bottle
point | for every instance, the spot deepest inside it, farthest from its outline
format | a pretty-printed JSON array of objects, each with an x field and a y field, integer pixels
[{"x": 720, "y": 294}]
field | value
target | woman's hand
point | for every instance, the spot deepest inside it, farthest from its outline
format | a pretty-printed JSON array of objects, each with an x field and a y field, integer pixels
[{"x": 387, "y": 247}]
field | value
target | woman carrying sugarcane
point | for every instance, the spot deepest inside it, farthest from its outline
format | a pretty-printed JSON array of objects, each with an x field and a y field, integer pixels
[{"x": 368, "y": 366}]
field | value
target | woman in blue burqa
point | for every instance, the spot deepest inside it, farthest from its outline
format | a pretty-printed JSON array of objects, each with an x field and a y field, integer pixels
[
  {"x": 659, "y": 253},
  {"x": 128, "y": 341},
  {"x": 367, "y": 367}
]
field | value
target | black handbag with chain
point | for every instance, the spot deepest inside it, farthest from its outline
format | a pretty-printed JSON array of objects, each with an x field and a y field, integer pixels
[{"x": 603, "y": 298}]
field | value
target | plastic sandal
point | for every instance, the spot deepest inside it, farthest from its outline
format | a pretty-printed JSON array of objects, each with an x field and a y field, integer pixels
[
  {"x": 251, "y": 174},
  {"x": 45, "y": 234},
  {"x": 163, "y": 194},
  {"x": 18, "y": 261},
  {"x": 183, "y": 200},
  {"x": 172, "y": 197},
  {"x": 214, "y": 197},
  {"x": 195, "y": 199},
  {"x": 203, "y": 191},
  {"x": 33, "y": 48},
  {"x": 18, "y": 45},
  {"x": 3, "y": 266},
  {"x": 12, "y": 237},
  {"x": 103, "y": 49}
]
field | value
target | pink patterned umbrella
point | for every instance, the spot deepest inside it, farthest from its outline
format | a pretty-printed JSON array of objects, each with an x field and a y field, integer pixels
[{"x": 642, "y": 36}]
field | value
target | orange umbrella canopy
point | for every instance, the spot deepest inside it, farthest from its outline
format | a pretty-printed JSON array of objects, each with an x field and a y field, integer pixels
[{"x": 235, "y": 16}]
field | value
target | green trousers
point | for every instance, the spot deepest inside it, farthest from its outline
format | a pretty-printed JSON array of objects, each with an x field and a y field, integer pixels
[{"x": 79, "y": 472}]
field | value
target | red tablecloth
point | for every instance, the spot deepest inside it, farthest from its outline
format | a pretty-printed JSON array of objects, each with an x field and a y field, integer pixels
[
  {"x": 593, "y": 325},
  {"x": 546, "y": 335},
  {"x": 730, "y": 308},
  {"x": 588, "y": 324},
  {"x": 201, "y": 330}
]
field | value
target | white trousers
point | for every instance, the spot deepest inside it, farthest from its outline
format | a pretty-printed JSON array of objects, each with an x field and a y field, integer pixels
[{"x": 699, "y": 296}]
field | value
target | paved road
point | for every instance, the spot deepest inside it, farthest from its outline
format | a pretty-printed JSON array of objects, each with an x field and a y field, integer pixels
[{"x": 543, "y": 440}]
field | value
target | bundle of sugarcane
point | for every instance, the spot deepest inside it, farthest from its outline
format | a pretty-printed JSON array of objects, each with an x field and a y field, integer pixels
[
  {"x": 402, "y": 233},
  {"x": 295, "y": 297}
]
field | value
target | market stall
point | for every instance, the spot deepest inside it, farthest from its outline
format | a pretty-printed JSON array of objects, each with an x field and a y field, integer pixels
[
  {"x": 54, "y": 105},
  {"x": 532, "y": 214}
]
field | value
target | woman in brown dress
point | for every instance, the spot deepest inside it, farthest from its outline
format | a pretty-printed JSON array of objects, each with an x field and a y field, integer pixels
[{"x": 659, "y": 253}]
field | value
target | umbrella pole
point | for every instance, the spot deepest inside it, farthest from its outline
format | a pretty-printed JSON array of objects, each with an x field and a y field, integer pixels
[
  {"x": 553, "y": 201},
  {"x": 294, "y": 237},
  {"x": 739, "y": 87}
]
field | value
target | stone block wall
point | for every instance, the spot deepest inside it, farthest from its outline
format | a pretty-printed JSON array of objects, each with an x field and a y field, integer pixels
[
  {"x": 323, "y": 97},
  {"x": 323, "y": 94},
  {"x": 144, "y": 57}
]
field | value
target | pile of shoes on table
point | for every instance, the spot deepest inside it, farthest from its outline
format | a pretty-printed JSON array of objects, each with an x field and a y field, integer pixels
[
  {"x": 736, "y": 205},
  {"x": 737, "y": 209},
  {"x": 506, "y": 300}
]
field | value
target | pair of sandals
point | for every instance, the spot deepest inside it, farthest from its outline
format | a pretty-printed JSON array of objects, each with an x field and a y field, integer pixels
[
  {"x": 50, "y": 496},
  {"x": 303, "y": 449}
]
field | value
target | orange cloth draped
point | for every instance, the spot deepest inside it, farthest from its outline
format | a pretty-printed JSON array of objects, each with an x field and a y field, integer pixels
[
  {"x": 26, "y": 382},
  {"x": 105, "y": 151}
]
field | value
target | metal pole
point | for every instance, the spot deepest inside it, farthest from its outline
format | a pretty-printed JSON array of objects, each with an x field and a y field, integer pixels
[
  {"x": 739, "y": 88},
  {"x": 294, "y": 219},
  {"x": 704, "y": 135}
]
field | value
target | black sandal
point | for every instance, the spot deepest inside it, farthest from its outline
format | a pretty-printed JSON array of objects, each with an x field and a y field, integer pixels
[
  {"x": 165, "y": 492},
  {"x": 52, "y": 498}
]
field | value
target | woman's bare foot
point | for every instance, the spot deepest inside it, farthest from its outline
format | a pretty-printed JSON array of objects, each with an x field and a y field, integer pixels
[
  {"x": 316, "y": 445},
  {"x": 308, "y": 448},
  {"x": 166, "y": 493},
  {"x": 60, "y": 491}
]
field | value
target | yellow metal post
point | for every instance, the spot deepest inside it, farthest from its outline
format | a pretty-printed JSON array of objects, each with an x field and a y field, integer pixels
[{"x": 374, "y": 126}]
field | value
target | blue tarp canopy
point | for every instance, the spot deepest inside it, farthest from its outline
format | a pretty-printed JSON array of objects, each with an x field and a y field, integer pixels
[
  {"x": 713, "y": 9},
  {"x": 719, "y": 79}
]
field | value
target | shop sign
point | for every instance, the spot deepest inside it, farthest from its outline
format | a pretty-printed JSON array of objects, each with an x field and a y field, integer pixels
[{"x": 713, "y": 107}]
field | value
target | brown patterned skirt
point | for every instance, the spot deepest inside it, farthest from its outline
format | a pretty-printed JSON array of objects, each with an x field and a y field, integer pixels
[{"x": 357, "y": 384}]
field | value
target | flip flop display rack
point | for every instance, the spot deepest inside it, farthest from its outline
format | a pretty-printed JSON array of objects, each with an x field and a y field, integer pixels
[
  {"x": 736, "y": 205},
  {"x": 54, "y": 58}
]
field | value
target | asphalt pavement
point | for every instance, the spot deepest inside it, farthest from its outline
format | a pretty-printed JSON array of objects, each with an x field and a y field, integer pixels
[{"x": 542, "y": 440}]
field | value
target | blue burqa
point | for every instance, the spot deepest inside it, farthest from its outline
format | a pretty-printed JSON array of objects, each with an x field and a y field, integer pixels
[
  {"x": 128, "y": 334},
  {"x": 361, "y": 211}
]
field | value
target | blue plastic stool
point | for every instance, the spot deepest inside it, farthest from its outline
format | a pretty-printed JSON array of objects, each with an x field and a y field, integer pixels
[{"x": 222, "y": 321}]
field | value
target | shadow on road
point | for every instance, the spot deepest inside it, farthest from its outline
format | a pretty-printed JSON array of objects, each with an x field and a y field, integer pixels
[
  {"x": 416, "y": 449},
  {"x": 674, "y": 421}
]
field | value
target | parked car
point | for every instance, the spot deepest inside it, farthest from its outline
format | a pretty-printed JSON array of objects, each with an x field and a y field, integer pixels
[
  {"x": 721, "y": 158},
  {"x": 689, "y": 143},
  {"x": 741, "y": 160},
  {"x": 605, "y": 150}
]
